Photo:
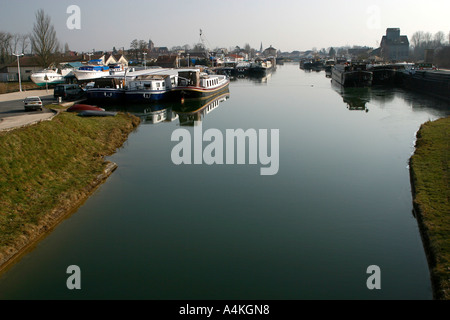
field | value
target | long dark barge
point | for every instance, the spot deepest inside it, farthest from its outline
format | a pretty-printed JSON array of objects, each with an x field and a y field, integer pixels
[{"x": 432, "y": 82}]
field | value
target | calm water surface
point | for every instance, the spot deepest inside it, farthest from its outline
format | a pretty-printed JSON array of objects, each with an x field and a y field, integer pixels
[{"x": 340, "y": 202}]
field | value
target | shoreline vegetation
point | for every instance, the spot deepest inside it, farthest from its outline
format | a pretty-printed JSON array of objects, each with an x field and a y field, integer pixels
[
  {"x": 11, "y": 87},
  {"x": 48, "y": 170},
  {"x": 430, "y": 177}
]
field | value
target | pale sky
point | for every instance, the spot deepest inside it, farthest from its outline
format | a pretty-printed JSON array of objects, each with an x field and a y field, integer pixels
[{"x": 287, "y": 25}]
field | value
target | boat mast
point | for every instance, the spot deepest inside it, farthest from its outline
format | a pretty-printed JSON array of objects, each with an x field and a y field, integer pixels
[{"x": 202, "y": 40}]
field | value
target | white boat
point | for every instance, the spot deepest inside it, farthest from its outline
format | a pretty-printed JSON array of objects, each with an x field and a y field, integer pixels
[
  {"x": 151, "y": 87},
  {"x": 195, "y": 84},
  {"x": 116, "y": 68},
  {"x": 93, "y": 70},
  {"x": 50, "y": 76}
]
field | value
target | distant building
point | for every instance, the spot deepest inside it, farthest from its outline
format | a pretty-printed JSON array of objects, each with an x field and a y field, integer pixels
[
  {"x": 151, "y": 45},
  {"x": 236, "y": 57},
  {"x": 394, "y": 46},
  {"x": 107, "y": 59},
  {"x": 168, "y": 61},
  {"x": 270, "y": 52},
  {"x": 120, "y": 58},
  {"x": 359, "y": 53},
  {"x": 28, "y": 65}
]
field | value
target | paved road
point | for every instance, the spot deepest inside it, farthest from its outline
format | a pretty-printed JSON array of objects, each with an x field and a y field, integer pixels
[
  {"x": 15, "y": 107},
  {"x": 12, "y": 110}
]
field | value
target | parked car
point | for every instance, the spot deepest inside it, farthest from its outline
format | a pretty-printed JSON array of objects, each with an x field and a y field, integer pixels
[
  {"x": 68, "y": 91},
  {"x": 32, "y": 103}
]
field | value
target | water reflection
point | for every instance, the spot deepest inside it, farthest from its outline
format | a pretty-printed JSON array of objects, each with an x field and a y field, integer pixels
[
  {"x": 192, "y": 112},
  {"x": 188, "y": 112},
  {"x": 153, "y": 115},
  {"x": 256, "y": 79},
  {"x": 355, "y": 97},
  {"x": 418, "y": 101}
]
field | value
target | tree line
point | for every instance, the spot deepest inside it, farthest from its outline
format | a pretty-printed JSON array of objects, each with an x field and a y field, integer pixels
[
  {"x": 11, "y": 44},
  {"x": 42, "y": 42},
  {"x": 420, "y": 41}
]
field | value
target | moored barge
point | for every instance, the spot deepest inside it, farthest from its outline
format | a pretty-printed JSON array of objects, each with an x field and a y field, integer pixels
[
  {"x": 196, "y": 84},
  {"x": 352, "y": 75}
]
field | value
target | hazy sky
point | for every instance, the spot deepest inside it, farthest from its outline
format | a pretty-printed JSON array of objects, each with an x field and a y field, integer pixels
[{"x": 285, "y": 24}]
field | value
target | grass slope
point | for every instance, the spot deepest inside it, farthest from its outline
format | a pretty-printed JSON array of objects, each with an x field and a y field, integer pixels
[
  {"x": 45, "y": 166},
  {"x": 430, "y": 178}
]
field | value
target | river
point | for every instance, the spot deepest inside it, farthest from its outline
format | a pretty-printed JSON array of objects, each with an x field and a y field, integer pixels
[{"x": 339, "y": 202}]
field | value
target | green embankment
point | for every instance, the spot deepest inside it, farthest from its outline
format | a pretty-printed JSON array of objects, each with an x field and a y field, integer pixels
[
  {"x": 48, "y": 168},
  {"x": 14, "y": 87},
  {"x": 430, "y": 179}
]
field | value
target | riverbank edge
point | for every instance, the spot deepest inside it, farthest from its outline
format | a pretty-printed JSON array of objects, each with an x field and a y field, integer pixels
[
  {"x": 439, "y": 283},
  {"x": 23, "y": 244}
]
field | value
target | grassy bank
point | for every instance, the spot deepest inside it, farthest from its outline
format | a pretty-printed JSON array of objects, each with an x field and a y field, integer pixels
[
  {"x": 48, "y": 168},
  {"x": 430, "y": 179},
  {"x": 8, "y": 87}
]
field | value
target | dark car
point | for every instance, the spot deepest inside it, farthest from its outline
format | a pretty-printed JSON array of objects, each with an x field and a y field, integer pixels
[{"x": 68, "y": 91}]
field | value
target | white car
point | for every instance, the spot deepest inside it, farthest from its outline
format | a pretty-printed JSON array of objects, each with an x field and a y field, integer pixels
[{"x": 33, "y": 103}]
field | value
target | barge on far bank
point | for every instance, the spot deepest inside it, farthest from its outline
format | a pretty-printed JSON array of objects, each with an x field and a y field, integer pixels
[
  {"x": 431, "y": 82},
  {"x": 352, "y": 75}
]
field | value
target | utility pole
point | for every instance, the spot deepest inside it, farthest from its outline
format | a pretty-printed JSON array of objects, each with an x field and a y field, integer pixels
[{"x": 18, "y": 69}]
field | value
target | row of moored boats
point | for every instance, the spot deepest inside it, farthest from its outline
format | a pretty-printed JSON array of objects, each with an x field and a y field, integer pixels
[
  {"x": 361, "y": 74},
  {"x": 156, "y": 84},
  {"x": 115, "y": 82}
]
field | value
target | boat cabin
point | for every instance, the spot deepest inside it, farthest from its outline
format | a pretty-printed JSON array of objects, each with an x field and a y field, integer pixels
[
  {"x": 94, "y": 68},
  {"x": 112, "y": 83},
  {"x": 153, "y": 82},
  {"x": 195, "y": 78}
]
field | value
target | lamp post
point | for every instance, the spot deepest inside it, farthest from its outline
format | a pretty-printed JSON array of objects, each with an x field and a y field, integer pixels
[
  {"x": 145, "y": 60},
  {"x": 18, "y": 69}
]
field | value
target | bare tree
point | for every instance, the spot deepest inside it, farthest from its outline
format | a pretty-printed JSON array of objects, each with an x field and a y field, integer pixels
[
  {"x": 15, "y": 42},
  {"x": 43, "y": 39},
  {"x": 439, "y": 38},
  {"x": 417, "y": 38},
  {"x": 428, "y": 39},
  {"x": 5, "y": 47},
  {"x": 24, "y": 41},
  {"x": 135, "y": 46},
  {"x": 143, "y": 45}
]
